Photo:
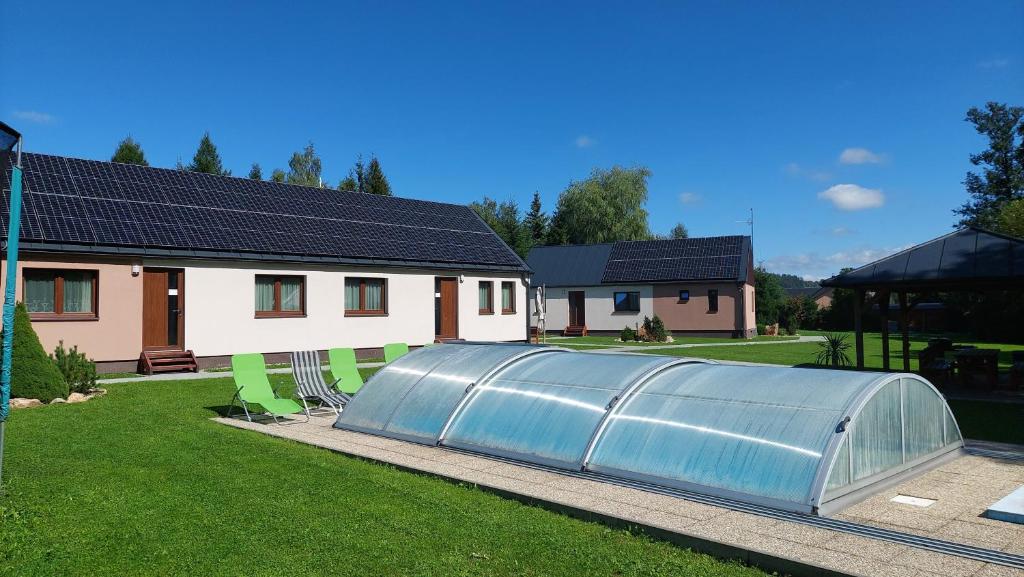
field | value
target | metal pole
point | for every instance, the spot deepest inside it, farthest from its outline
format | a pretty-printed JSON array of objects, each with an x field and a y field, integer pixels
[{"x": 13, "y": 232}]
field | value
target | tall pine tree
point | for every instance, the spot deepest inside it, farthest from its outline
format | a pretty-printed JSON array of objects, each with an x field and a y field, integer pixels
[
  {"x": 376, "y": 182},
  {"x": 207, "y": 159},
  {"x": 129, "y": 151},
  {"x": 1002, "y": 164},
  {"x": 536, "y": 222}
]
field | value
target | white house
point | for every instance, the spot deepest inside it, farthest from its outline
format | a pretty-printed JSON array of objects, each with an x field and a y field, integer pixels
[
  {"x": 697, "y": 286},
  {"x": 121, "y": 259}
]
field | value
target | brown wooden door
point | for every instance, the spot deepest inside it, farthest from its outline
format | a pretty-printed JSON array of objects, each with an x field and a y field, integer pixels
[
  {"x": 163, "y": 309},
  {"x": 577, "y": 309},
  {"x": 446, "y": 308}
]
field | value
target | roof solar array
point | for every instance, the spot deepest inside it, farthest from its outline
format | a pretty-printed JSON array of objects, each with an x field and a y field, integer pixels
[
  {"x": 708, "y": 258},
  {"x": 68, "y": 200}
]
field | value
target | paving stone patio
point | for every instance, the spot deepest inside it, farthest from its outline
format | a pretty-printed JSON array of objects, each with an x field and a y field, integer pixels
[{"x": 962, "y": 489}]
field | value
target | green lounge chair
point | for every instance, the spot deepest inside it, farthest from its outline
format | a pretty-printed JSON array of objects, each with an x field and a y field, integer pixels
[
  {"x": 394, "y": 350},
  {"x": 253, "y": 387},
  {"x": 346, "y": 376}
]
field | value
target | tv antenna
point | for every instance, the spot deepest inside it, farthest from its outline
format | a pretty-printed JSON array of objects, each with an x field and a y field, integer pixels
[{"x": 749, "y": 222}]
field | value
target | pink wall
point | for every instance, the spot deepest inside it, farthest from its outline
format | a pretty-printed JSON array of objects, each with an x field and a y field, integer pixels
[
  {"x": 694, "y": 315},
  {"x": 117, "y": 333}
]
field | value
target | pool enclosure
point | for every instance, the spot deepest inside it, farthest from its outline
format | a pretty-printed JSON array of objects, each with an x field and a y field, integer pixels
[{"x": 808, "y": 440}]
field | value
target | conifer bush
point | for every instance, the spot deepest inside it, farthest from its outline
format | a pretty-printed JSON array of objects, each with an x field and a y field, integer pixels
[{"x": 33, "y": 373}]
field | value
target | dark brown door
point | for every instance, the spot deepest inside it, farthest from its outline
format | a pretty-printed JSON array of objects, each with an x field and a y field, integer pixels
[
  {"x": 163, "y": 308},
  {"x": 446, "y": 308},
  {"x": 577, "y": 308}
]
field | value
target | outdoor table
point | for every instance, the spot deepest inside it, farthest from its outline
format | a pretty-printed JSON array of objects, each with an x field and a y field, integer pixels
[{"x": 971, "y": 362}]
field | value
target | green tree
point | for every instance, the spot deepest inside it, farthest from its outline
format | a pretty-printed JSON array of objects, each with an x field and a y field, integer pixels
[
  {"x": 376, "y": 182},
  {"x": 1011, "y": 219},
  {"x": 605, "y": 207},
  {"x": 349, "y": 183},
  {"x": 207, "y": 159},
  {"x": 536, "y": 222},
  {"x": 33, "y": 374},
  {"x": 839, "y": 315},
  {"x": 304, "y": 167},
  {"x": 504, "y": 220},
  {"x": 679, "y": 231},
  {"x": 277, "y": 175},
  {"x": 1001, "y": 177},
  {"x": 256, "y": 173},
  {"x": 129, "y": 151},
  {"x": 768, "y": 296}
]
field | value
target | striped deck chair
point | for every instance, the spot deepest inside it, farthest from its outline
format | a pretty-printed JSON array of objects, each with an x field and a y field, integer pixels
[{"x": 310, "y": 384}]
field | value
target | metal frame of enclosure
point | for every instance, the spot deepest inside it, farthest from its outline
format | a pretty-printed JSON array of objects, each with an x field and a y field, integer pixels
[{"x": 805, "y": 440}]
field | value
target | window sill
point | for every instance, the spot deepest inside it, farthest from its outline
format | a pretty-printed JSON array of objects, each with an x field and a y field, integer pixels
[
  {"x": 280, "y": 315},
  {"x": 636, "y": 312},
  {"x": 483, "y": 312},
  {"x": 508, "y": 312},
  {"x": 64, "y": 317},
  {"x": 366, "y": 313}
]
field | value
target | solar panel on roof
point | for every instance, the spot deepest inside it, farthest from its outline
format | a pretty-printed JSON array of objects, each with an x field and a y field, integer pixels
[
  {"x": 680, "y": 259},
  {"x": 71, "y": 200}
]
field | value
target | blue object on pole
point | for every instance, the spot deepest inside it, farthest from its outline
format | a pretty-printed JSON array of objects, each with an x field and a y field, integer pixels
[{"x": 13, "y": 232}]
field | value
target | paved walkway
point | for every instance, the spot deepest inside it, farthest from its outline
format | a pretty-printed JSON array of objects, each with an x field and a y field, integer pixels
[
  {"x": 962, "y": 489},
  {"x": 210, "y": 374},
  {"x": 555, "y": 341}
]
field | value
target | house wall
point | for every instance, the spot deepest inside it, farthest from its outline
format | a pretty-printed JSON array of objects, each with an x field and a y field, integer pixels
[
  {"x": 223, "y": 322},
  {"x": 220, "y": 309},
  {"x": 733, "y": 317},
  {"x": 117, "y": 332},
  {"x": 600, "y": 308}
]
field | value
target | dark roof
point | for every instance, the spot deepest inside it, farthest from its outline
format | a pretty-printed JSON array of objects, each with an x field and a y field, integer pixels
[
  {"x": 688, "y": 259},
  {"x": 73, "y": 205},
  {"x": 568, "y": 265},
  {"x": 969, "y": 257},
  {"x": 685, "y": 259},
  {"x": 812, "y": 293}
]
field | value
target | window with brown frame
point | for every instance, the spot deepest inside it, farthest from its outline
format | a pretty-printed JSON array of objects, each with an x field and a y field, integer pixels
[
  {"x": 61, "y": 295},
  {"x": 366, "y": 297},
  {"x": 486, "y": 297},
  {"x": 712, "y": 300},
  {"x": 280, "y": 296},
  {"x": 508, "y": 298}
]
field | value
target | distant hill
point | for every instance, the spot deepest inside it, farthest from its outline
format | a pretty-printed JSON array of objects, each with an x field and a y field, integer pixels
[{"x": 789, "y": 281}]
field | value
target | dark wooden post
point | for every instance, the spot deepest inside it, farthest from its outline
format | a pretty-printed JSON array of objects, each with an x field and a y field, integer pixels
[
  {"x": 905, "y": 329},
  {"x": 883, "y": 309},
  {"x": 858, "y": 328}
]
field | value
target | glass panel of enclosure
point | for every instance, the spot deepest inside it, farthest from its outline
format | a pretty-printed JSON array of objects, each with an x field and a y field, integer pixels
[
  {"x": 424, "y": 410},
  {"x": 386, "y": 389},
  {"x": 545, "y": 409},
  {"x": 755, "y": 430},
  {"x": 840, "y": 475},
  {"x": 876, "y": 433},
  {"x": 950, "y": 430},
  {"x": 923, "y": 413}
]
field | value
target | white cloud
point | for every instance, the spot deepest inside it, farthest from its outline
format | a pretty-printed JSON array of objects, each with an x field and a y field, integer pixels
[
  {"x": 689, "y": 198},
  {"x": 815, "y": 266},
  {"x": 795, "y": 170},
  {"x": 836, "y": 231},
  {"x": 853, "y": 197},
  {"x": 34, "y": 117},
  {"x": 859, "y": 156},
  {"x": 994, "y": 63},
  {"x": 584, "y": 141}
]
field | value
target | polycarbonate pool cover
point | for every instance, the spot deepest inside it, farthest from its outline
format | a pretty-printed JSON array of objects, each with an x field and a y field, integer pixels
[{"x": 791, "y": 438}]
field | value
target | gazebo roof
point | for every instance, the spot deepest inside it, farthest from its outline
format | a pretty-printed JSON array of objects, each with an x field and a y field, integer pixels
[{"x": 969, "y": 258}]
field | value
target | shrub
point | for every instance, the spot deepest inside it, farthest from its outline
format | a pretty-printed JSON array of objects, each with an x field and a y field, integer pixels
[
  {"x": 833, "y": 350},
  {"x": 658, "y": 332},
  {"x": 79, "y": 372},
  {"x": 627, "y": 335},
  {"x": 762, "y": 329},
  {"x": 33, "y": 374}
]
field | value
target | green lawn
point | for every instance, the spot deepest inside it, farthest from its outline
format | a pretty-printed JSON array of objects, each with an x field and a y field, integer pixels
[
  {"x": 988, "y": 421},
  {"x": 802, "y": 353},
  {"x": 141, "y": 482}
]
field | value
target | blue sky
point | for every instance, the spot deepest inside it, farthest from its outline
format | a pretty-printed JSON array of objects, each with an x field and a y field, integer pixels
[{"x": 841, "y": 124}]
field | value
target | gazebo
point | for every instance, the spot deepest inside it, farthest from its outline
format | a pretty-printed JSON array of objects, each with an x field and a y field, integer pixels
[{"x": 968, "y": 260}]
